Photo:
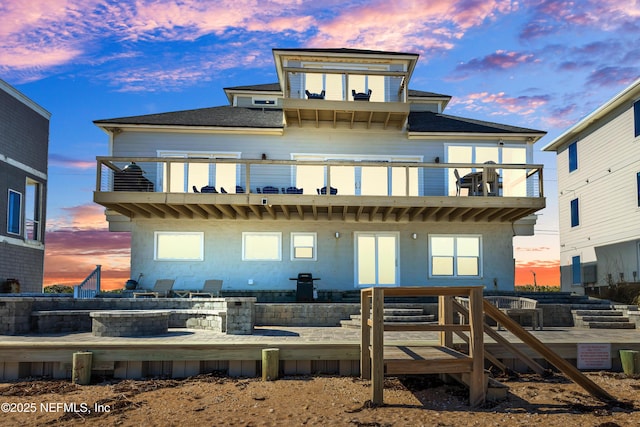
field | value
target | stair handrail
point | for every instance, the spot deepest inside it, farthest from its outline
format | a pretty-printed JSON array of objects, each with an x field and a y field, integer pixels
[{"x": 90, "y": 286}]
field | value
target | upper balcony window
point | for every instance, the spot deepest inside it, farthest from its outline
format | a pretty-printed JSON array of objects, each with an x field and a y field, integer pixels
[
  {"x": 186, "y": 175},
  {"x": 336, "y": 86}
]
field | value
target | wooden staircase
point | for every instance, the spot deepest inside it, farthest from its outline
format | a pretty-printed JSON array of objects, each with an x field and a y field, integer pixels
[{"x": 405, "y": 314}]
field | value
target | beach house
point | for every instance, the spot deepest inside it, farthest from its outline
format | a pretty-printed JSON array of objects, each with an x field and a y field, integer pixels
[
  {"x": 24, "y": 147},
  {"x": 598, "y": 162},
  {"x": 339, "y": 170}
]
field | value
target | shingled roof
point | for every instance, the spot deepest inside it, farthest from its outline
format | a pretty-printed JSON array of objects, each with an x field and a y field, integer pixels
[
  {"x": 224, "y": 116},
  {"x": 425, "y": 121}
]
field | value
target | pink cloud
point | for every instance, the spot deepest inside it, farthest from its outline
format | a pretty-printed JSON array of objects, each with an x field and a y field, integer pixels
[
  {"x": 499, "y": 103},
  {"x": 68, "y": 162},
  {"x": 500, "y": 60},
  {"x": 419, "y": 25}
]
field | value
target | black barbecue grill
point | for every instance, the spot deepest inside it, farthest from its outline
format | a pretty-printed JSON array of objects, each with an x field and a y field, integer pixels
[{"x": 304, "y": 287}]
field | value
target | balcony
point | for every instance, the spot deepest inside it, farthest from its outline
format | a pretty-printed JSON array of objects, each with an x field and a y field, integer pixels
[
  {"x": 150, "y": 187},
  {"x": 313, "y": 112}
]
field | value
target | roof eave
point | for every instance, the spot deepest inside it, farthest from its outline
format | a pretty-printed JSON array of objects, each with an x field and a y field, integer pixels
[
  {"x": 630, "y": 92},
  {"x": 531, "y": 137},
  {"x": 111, "y": 127}
]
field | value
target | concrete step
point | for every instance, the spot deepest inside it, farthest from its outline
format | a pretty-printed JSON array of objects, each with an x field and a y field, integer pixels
[
  {"x": 610, "y": 325},
  {"x": 400, "y": 318},
  {"x": 355, "y": 324},
  {"x": 616, "y": 319},
  {"x": 609, "y": 313}
]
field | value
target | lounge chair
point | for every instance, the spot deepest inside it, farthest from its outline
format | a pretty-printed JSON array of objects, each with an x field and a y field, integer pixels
[
  {"x": 210, "y": 289},
  {"x": 160, "y": 289},
  {"x": 323, "y": 190}
]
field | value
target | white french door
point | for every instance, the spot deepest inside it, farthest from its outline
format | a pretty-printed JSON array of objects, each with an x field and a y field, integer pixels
[{"x": 376, "y": 259}]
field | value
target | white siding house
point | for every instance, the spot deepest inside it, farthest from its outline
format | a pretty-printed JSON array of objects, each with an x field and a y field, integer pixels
[
  {"x": 599, "y": 194},
  {"x": 359, "y": 190}
]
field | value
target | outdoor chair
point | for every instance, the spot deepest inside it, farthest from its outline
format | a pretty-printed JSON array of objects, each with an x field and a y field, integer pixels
[
  {"x": 210, "y": 289},
  {"x": 269, "y": 190},
  {"x": 291, "y": 190},
  {"x": 461, "y": 182},
  {"x": 160, "y": 289},
  {"x": 323, "y": 190},
  {"x": 195, "y": 189},
  {"x": 315, "y": 95},
  {"x": 361, "y": 96},
  {"x": 208, "y": 189}
]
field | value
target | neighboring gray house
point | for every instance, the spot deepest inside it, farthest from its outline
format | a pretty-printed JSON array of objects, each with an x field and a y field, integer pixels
[
  {"x": 599, "y": 194},
  {"x": 24, "y": 146},
  {"x": 338, "y": 169}
]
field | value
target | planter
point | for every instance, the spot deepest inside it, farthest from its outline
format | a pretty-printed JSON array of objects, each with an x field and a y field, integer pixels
[{"x": 630, "y": 361}]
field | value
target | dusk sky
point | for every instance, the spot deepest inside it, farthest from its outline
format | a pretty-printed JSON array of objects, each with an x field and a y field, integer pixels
[{"x": 541, "y": 64}]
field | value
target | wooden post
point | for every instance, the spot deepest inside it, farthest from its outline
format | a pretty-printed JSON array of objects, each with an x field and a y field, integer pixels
[
  {"x": 365, "y": 334},
  {"x": 377, "y": 347},
  {"x": 477, "y": 392},
  {"x": 270, "y": 364},
  {"x": 445, "y": 317},
  {"x": 81, "y": 373}
]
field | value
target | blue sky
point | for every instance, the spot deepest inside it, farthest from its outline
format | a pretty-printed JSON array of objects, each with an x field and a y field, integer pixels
[{"x": 542, "y": 64}]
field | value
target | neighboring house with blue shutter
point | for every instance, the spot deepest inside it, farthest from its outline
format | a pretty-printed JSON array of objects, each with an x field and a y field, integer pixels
[
  {"x": 24, "y": 145},
  {"x": 598, "y": 162},
  {"x": 338, "y": 169}
]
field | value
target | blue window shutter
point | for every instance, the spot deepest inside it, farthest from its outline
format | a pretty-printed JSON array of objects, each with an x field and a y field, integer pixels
[
  {"x": 575, "y": 270},
  {"x": 638, "y": 186},
  {"x": 636, "y": 117},
  {"x": 575, "y": 217},
  {"x": 13, "y": 212},
  {"x": 573, "y": 156}
]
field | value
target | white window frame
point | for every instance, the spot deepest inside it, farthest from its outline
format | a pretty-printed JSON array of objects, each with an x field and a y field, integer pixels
[
  {"x": 246, "y": 234},
  {"x": 36, "y": 215},
  {"x": 198, "y": 155},
  {"x": 157, "y": 234},
  {"x": 455, "y": 274},
  {"x": 314, "y": 247}
]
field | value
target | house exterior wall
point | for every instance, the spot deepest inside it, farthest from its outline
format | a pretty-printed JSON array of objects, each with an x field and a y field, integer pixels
[
  {"x": 605, "y": 184},
  {"x": 335, "y": 256},
  {"x": 24, "y": 138}
]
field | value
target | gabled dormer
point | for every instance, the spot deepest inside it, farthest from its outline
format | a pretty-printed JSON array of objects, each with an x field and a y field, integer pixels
[{"x": 345, "y": 87}]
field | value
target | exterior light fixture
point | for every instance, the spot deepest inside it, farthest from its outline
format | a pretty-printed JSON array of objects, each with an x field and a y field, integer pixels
[
  {"x": 414, "y": 236},
  {"x": 337, "y": 234}
]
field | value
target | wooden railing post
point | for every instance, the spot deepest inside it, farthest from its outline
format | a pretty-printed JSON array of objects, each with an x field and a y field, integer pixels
[
  {"x": 365, "y": 334},
  {"x": 476, "y": 347},
  {"x": 377, "y": 347},
  {"x": 445, "y": 317}
]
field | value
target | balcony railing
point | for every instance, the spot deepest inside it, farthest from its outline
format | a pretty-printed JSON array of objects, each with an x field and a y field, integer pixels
[{"x": 285, "y": 189}]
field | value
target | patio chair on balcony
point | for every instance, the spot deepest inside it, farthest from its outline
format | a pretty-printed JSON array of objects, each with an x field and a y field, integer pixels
[
  {"x": 333, "y": 191},
  {"x": 210, "y": 289},
  {"x": 315, "y": 95},
  {"x": 239, "y": 189},
  {"x": 270, "y": 190},
  {"x": 160, "y": 289},
  {"x": 361, "y": 96},
  {"x": 195, "y": 189},
  {"x": 208, "y": 189},
  {"x": 461, "y": 182},
  {"x": 291, "y": 190}
]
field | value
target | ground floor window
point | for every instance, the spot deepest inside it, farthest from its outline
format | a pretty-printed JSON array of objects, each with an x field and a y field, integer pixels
[
  {"x": 455, "y": 256},
  {"x": 262, "y": 246},
  {"x": 303, "y": 246},
  {"x": 178, "y": 246}
]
